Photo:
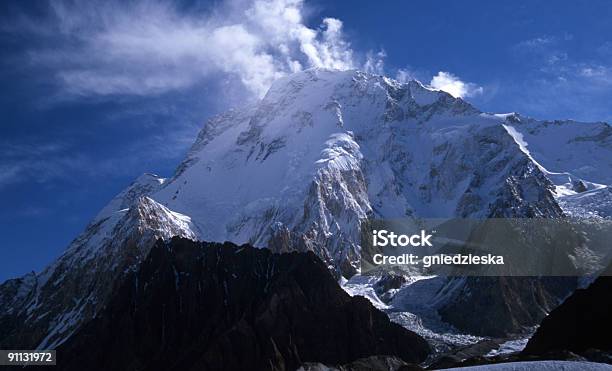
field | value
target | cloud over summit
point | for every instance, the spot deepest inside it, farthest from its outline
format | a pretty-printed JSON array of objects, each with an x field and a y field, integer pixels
[
  {"x": 151, "y": 47},
  {"x": 454, "y": 86}
]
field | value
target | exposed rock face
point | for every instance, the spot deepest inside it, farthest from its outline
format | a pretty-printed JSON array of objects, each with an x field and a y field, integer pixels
[
  {"x": 209, "y": 306},
  {"x": 579, "y": 186},
  {"x": 505, "y": 305},
  {"x": 580, "y": 323}
]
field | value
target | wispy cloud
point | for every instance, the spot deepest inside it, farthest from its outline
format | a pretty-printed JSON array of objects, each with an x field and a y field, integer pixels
[
  {"x": 38, "y": 163},
  {"x": 42, "y": 161},
  {"x": 451, "y": 84},
  {"x": 151, "y": 47},
  {"x": 559, "y": 82},
  {"x": 101, "y": 49},
  {"x": 404, "y": 75},
  {"x": 536, "y": 43},
  {"x": 545, "y": 50},
  {"x": 596, "y": 74}
]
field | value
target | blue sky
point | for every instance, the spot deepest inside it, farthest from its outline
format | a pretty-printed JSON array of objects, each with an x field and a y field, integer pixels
[{"x": 96, "y": 93}]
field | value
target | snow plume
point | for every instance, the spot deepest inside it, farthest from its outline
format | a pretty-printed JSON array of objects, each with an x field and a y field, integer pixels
[
  {"x": 146, "y": 48},
  {"x": 404, "y": 75},
  {"x": 375, "y": 62},
  {"x": 454, "y": 86}
]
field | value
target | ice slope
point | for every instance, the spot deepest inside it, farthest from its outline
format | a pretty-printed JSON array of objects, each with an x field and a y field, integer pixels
[{"x": 578, "y": 148}]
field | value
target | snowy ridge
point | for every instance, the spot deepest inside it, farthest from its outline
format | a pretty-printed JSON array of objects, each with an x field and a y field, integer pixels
[
  {"x": 143, "y": 185},
  {"x": 323, "y": 150},
  {"x": 302, "y": 168},
  {"x": 575, "y": 156}
]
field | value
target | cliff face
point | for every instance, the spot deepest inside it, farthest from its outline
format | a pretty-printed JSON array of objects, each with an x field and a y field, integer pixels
[
  {"x": 213, "y": 306},
  {"x": 580, "y": 323},
  {"x": 505, "y": 305}
]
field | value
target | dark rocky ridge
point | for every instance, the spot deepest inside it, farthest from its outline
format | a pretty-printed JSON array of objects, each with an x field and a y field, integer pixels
[
  {"x": 373, "y": 363},
  {"x": 212, "y": 306},
  {"x": 581, "y": 323}
]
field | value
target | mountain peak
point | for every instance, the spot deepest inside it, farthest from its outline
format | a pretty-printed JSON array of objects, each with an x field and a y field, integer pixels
[
  {"x": 325, "y": 149},
  {"x": 303, "y": 168},
  {"x": 144, "y": 184}
]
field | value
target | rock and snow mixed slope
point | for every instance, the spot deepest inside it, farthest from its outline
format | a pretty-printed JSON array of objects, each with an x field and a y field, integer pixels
[
  {"x": 42, "y": 310},
  {"x": 303, "y": 167},
  {"x": 325, "y": 149}
]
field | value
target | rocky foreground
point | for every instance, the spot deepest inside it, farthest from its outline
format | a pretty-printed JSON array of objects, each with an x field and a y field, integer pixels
[{"x": 209, "y": 306}]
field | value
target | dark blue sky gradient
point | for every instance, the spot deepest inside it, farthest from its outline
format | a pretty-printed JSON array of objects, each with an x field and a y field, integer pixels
[{"x": 63, "y": 159}]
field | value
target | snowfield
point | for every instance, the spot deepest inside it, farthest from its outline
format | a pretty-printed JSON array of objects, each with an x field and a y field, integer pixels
[{"x": 540, "y": 366}]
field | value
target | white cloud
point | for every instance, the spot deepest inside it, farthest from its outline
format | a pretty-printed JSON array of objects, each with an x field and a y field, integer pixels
[
  {"x": 143, "y": 48},
  {"x": 454, "y": 86},
  {"x": 38, "y": 163},
  {"x": 596, "y": 74},
  {"x": 149, "y": 47}
]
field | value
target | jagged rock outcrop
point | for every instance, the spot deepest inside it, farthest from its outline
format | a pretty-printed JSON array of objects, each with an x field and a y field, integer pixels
[{"x": 205, "y": 306}]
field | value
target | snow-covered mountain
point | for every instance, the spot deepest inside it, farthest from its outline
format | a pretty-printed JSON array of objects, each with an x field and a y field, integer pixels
[
  {"x": 325, "y": 149},
  {"x": 303, "y": 167}
]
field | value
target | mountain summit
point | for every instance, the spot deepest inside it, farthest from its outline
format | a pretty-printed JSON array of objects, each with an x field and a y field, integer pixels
[
  {"x": 325, "y": 149},
  {"x": 302, "y": 169}
]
